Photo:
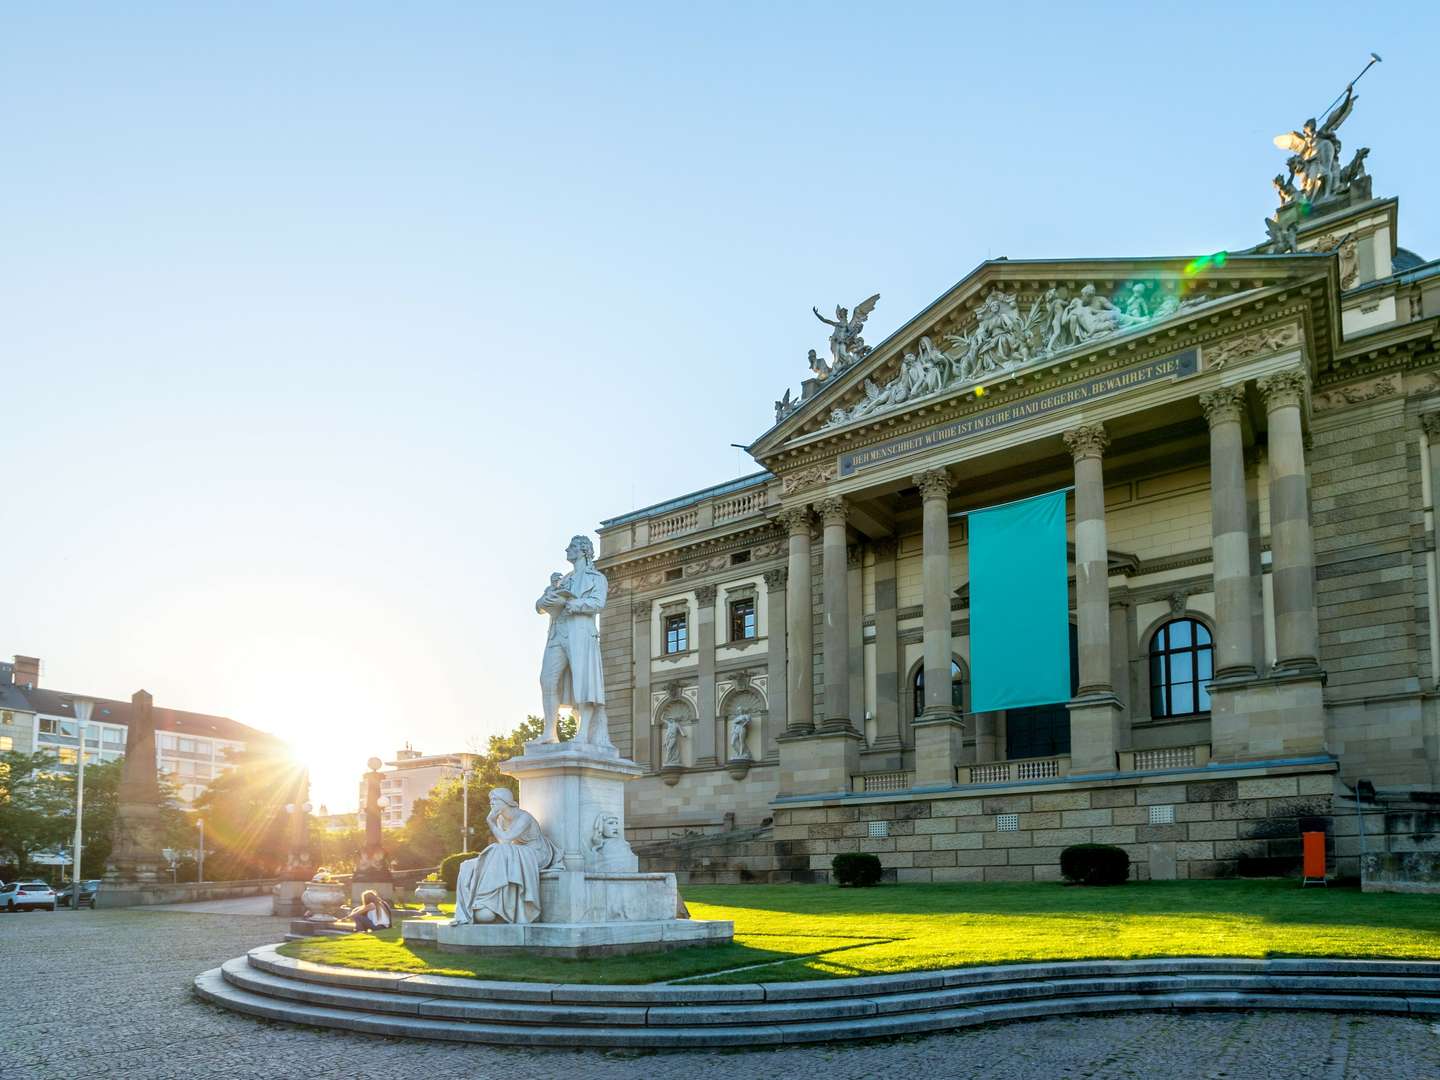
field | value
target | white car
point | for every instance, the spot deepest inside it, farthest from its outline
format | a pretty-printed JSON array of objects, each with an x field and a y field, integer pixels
[{"x": 21, "y": 895}]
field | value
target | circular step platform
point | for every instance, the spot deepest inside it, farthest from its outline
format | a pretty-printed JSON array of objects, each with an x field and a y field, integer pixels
[{"x": 699, "y": 1016}]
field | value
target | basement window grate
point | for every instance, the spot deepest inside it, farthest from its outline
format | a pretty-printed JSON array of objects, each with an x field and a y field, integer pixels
[
  {"x": 879, "y": 830},
  {"x": 1007, "y": 822},
  {"x": 1162, "y": 815}
]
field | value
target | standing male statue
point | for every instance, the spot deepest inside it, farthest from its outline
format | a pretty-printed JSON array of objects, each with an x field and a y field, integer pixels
[{"x": 571, "y": 674}]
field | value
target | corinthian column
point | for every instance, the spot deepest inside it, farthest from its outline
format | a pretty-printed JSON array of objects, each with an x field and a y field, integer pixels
[
  {"x": 935, "y": 495},
  {"x": 1292, "y": 553},
  {"x": 835, "y": 569},
  {"x": 1230, "y": 534},
  {"x": 1092, "y": 559},
  {"x": 799, "y": 661}
]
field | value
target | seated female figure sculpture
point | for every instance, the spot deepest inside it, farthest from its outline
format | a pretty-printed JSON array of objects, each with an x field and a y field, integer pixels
[{"x": 502, "y": 883}]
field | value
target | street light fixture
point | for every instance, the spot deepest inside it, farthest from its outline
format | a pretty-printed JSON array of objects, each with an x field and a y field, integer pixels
[
  {"x": 82, "y": 709},
  {"x": 200, "y": 859}
]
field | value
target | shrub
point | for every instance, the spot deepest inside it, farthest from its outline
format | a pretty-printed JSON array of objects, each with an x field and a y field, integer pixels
[
  {"x": 450, "y": 867},
  {"x": 1095, "y": 864},
  {"x": 856, "y": 868}
]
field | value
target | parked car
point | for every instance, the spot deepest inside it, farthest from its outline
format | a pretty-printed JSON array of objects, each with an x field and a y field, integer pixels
[
  {"x": 22, "y": 895},
  {"x": 87, "y": 893}
]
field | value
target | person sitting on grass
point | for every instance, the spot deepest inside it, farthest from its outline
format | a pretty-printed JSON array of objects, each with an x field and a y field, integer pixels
[{"x": 372, "y": 914}]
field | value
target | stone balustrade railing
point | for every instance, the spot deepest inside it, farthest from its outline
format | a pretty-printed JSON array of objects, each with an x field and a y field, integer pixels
[
  {"x": 674, "y": 525},
  {"x": 739, "y": 506},
  {"x": 882, "y": 781},
  {"x": 1005, "y": 772},
  {"x": 1168, "y": 757}
]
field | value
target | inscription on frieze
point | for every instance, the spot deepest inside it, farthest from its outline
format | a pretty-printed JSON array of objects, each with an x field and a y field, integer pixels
[{"x": 1002, "y": 416}]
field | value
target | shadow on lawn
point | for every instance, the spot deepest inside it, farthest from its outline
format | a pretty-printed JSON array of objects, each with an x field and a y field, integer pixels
[{"x": 1271, "y": 900}]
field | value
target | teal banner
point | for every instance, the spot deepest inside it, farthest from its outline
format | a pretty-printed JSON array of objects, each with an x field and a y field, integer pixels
[{"x": 1019, "y": 605}]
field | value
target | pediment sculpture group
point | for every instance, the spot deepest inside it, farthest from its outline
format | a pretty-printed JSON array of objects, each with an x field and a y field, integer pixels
[{"x": 1003, "y": 338}]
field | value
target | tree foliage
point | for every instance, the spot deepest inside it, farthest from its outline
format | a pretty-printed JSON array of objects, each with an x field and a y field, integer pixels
[
  {"x": 435, "y": 828},
  {"x": 37, "y": 807},
  {"x": 244, "y": 813}
]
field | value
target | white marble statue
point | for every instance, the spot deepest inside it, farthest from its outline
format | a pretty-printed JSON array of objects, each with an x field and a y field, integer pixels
[
  {"x": 502, "y": 883},
  {"x": 608, "y": 849},
  {"x": 571, "y": 673},
  {"x": 846, "y": 345},
  {"x": 739, "y": 732},
  {"x": 670, "y": 741}
]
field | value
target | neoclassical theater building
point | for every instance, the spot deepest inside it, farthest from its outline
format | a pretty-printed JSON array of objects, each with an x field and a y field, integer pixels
[{"x": 1252, "y": 439}]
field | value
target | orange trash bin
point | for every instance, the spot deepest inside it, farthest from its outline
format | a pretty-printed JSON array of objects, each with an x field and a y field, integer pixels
[{"x": 1314, "y": 861}]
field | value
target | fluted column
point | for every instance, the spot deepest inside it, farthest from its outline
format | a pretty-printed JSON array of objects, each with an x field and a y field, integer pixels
[
  {"x": 776, "y": 690},
  {"x": 1292, "y": 551},
  {"x": 1230, "y": 534},
  {"x": 640, "y": 696},
  {"x": 799, "y": 659},
  {"x": 935, "y": 578},
  {"x": 1092, "y": 559},
  {"x": 705, "y": 753},
  {"x": 835, "y": 570}
]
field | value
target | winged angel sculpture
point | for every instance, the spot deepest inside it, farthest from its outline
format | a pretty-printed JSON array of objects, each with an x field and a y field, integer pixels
[
  {"x": 1314, "y": 163},
  {"x": 846, "y": 345}
]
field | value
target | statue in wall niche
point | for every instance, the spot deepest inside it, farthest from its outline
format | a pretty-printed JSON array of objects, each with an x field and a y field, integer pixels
[
  {"x": 502, "y": 883},
  {"x": 607, "y": 848},
  {"x": 739, "y": 732},
  {"x": 670, "y": 741},
  {"x": 571, "y": 674},
  {"x": 846, "y": 345}
]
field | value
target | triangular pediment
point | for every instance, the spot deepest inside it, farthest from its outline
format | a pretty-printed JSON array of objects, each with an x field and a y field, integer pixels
[{"x": 1009, "y": 317}]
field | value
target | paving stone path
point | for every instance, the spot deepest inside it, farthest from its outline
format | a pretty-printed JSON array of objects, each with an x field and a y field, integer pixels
[{"x": 107, "y": 993}]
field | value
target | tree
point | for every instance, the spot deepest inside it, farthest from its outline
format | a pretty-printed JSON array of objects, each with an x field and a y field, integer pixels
[
  {"x": 244, "y": 812},
  {"x": 37, "y": 806},
  {"x": 435, "y": 825}
]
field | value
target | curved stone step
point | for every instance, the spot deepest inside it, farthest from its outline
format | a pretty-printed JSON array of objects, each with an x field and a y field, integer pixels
[{"x": 247, "y": 985}]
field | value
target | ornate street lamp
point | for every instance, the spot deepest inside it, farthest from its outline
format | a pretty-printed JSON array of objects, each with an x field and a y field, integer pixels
[{"x": 82, "y": 709}]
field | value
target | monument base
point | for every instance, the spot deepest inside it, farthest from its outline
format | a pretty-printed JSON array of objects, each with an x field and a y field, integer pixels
[{"x": 575, "y": 941}]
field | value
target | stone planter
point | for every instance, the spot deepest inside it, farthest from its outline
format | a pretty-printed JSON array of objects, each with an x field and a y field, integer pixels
[
  {"x": 322, "y": 899},
  {"x": 430, "y": 893}
]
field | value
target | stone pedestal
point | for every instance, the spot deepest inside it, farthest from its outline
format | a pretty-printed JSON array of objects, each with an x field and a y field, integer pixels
[
  {"x": 567, "y": 786},
  {"x": 286, "y": 899},
  {"x": 596, "y": 902},
  {"x": 939, "y": 743},
  {"x": 819, "y": 762},
  {"x": 1281, "y": 715},
  {"x": 1095, "y": 733}
]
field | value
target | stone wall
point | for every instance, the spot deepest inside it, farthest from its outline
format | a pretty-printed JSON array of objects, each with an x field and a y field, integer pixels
[{"x": 1249, "y": 825}]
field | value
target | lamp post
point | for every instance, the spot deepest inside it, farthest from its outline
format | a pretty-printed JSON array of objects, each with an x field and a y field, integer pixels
[
  {"x": 82, "y": 709},
  {"x": 200, "y": 860},
  {"x": 465, "y": 773}
]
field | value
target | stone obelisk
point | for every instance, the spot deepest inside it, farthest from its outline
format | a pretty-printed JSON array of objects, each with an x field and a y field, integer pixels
[{"x": 136, "y": 863}]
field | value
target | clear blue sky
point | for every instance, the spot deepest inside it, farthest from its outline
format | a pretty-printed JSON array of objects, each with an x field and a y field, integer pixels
[{"x": 326, "y": 325}]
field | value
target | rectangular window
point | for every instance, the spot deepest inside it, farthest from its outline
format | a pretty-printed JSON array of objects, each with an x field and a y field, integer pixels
[
  {"x": 676, "y": 574},
  {"x": 186, "y": 746},
  {"x": 114, "y": 738},
  {"x": 677, "y": 636},
  {"x": 6, "y": 744},
  {"x": 739, "y": 557},
  {"x": 67, "y": 755},
  {"x": 742, "y": 619},
  {"x": 167, "y": 741}
]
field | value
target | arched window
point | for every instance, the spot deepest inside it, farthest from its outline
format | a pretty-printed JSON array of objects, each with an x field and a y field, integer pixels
[
  {"x": 1181, "y": 663},
  {"x": 957, "y": 688}
]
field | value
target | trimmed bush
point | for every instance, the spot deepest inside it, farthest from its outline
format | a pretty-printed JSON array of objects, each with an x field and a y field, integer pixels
[
  {"x": 1095, "y": 864},
  {"x": 856, "y": 868},
  {"x": 450, "y": 867}
]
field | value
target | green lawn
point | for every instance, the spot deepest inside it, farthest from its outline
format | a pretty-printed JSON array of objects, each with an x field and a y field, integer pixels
[{"x": 818, "y": 932}]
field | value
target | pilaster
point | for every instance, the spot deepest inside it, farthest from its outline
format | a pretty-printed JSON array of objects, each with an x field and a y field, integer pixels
[{"x": 705, "y": 751}]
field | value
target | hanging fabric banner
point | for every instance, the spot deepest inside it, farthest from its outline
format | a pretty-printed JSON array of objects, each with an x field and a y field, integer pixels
[{"x": 1019, "y": 605}]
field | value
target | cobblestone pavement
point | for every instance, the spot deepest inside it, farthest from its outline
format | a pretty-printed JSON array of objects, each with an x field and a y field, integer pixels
[{"x": 107, "y": 993}]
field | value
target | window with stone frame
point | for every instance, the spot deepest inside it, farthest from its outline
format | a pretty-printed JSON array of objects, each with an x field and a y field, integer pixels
[
  {"x": 957, "y": 689},
  {"x": 1182, "y": 659},
  {"x": 742, "y": 618},
  {"x": 677, "y": 634}
]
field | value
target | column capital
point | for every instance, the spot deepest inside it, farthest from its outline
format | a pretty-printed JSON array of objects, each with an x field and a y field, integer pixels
[
  {"x": 834, "y": 510},
  {"x": 1283, "y": 388},
  {"x": 1431, "y": 423},
  {"x": 796, "y": 520},
  {"x": 1224, "y": 405},
  {"x": 1087, "y": 441},
  {"x": 641, "y": 608},
  {"x": 934, "y": 484},
  {"x": 775, "y": 579},
  {"x": 706, "y": 594}
]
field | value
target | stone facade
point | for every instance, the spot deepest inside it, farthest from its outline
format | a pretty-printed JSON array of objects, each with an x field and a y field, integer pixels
[{"x": 1253, "y": 473}]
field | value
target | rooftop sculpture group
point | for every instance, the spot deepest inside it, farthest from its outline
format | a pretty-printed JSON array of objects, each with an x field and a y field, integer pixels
[{"x": 1314, "y": 171}]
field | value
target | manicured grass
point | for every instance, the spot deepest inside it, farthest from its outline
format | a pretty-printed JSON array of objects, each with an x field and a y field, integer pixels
[{"x": 818, "y": 932}]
